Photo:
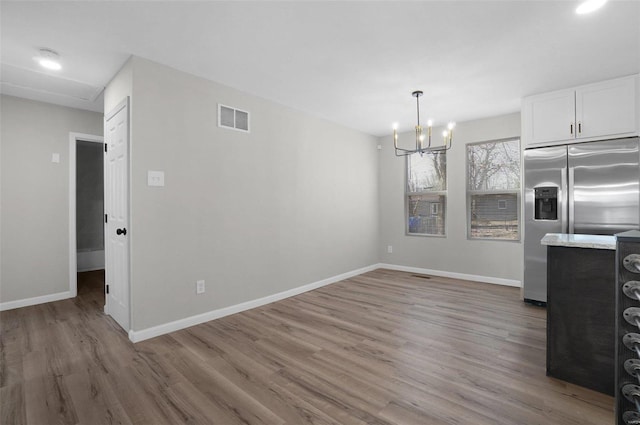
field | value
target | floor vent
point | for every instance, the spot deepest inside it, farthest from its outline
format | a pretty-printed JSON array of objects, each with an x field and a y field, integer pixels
[
  {"x": 232, "y": 118},
  {"x": 421, "y": 276}
]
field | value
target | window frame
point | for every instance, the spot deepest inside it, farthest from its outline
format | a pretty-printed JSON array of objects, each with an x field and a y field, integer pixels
[
  {"x": 517, "y": 192},
  {"x": 407, "y": 194}
]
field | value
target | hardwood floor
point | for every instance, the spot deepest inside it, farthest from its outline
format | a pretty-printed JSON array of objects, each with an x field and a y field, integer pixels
[{"x": 384, "y": 347}]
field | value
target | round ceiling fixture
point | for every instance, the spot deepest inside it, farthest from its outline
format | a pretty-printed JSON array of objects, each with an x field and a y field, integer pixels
[
  {"x": 589, "y": 6},
  {"x": 49, "y": 59}
]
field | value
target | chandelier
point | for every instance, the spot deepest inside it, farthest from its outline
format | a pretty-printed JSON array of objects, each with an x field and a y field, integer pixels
[{"x": 421, "y": 146}]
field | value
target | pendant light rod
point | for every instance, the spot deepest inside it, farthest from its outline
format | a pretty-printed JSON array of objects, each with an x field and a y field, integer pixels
[{"x": 417, "y": 95}]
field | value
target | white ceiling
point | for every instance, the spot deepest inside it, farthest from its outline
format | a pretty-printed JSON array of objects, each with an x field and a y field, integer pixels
[{"x": 354, "y": 63}]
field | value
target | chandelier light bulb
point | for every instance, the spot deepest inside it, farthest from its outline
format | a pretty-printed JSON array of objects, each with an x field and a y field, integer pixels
[
  {"x": 430, "y": 123},
  {"x": 451, "y": 125},
  {"x": 445, "y": 133},
  {"x": 395, "y": 125}
]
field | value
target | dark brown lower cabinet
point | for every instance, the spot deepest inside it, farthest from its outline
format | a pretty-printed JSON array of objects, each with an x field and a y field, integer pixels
[{"x": 581, "y": 288}]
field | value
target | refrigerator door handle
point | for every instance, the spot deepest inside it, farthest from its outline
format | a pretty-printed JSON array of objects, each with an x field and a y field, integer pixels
[
  {"x": 570, "y": 190},
  {"x": 564, "y": 199}
]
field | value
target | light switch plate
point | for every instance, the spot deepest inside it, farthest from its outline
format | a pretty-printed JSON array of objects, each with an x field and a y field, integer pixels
[
  {"x": 55, "y": 158},
  {"x": 155, "y": 178},
  {"x": 200, "y": 287}
]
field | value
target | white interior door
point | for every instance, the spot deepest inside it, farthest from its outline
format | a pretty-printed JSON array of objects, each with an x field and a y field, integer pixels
[{"x": 116, "y": 207}]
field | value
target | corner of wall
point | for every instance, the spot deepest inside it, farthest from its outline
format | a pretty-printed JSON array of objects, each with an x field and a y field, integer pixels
[{"x": 120, "y": 86}]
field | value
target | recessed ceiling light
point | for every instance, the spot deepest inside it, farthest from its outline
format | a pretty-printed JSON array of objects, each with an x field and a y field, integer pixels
[
  {"x": 589, "y": 6},
  {"x": 49, "y": 59}
]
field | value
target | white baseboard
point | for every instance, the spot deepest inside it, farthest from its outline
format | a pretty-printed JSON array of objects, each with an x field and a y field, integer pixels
[
  {"x": 90, "y": 260},
  {"x": 141, "y": 335},
  {"x": 464, "y": 276},
  {"x": 10, "y": 305}
]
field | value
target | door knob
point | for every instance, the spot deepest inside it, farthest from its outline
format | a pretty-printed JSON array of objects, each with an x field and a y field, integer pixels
[{"x": 122, "y": 231}]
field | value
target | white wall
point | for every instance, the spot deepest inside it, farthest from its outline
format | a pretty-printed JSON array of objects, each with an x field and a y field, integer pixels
[
  {"x": 35, "y": 196},
  {"x": 293, "y": 202},
  {"x": 119, "y": 88},
  {"x": 455, "y": 253}
]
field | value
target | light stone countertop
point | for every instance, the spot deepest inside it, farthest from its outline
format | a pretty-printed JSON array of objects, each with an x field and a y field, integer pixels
[{"x": 580, "y": 241}]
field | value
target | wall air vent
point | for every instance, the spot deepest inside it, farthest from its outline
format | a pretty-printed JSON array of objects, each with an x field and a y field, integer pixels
[{"x": 233, "y": 118}]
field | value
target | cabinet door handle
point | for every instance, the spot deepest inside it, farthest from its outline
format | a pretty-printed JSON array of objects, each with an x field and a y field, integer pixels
[
  {"x": 571, "y": 128},
  {"x": 579, "y": 127}
]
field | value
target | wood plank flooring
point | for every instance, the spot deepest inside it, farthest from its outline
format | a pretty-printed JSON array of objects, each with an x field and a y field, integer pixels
[{"x": 385, "y": 347}]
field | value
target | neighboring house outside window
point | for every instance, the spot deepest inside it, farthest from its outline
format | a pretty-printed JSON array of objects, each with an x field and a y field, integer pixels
[
  {"x": 493, "y": 190},
  {"x": 426, "y": 194}
]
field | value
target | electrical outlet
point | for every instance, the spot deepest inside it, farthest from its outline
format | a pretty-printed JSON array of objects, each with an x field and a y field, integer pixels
[
  {"x": 155, "y": 178},
  {"x": 200, "y": 287},
  {"x": 389, "y": 249}
]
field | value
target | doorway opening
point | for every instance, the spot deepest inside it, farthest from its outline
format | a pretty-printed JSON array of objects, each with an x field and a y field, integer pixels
[{"x": 86, "y": 218}]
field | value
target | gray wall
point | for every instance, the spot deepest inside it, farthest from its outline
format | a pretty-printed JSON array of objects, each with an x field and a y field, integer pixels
[
  {"x": 455, "y": 253},
  {"x": 35, "y": 195},
  {"x": 89, "y": 196},
  {"x": 293, "y": 202}
]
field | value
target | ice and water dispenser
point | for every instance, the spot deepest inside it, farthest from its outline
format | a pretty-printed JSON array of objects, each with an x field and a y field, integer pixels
[{"x": 546, "y": 203}]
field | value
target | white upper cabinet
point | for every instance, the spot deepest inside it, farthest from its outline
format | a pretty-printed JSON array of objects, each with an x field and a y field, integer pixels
[
  {"x": 607, "y": 108},
  {"x": 589, "y": 112},
  {"x": 549, "y": 117}
]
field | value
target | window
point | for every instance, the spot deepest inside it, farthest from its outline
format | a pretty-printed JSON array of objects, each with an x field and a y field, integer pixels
[
  {"x": 493, "y": 190},
  {"x": 426, "y": 193}
]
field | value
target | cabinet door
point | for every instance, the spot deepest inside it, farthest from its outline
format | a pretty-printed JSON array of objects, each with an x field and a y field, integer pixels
[
  {"x": 607, "y": 108},
  {"x": 548, "y": 117}
]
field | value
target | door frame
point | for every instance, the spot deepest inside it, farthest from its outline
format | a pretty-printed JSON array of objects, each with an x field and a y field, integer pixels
[{"x": 73, "y": 248}]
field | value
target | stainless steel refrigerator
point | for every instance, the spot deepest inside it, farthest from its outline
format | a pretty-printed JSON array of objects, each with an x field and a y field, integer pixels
[{"x": 583, "y": 188}]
